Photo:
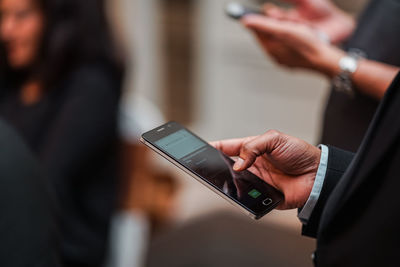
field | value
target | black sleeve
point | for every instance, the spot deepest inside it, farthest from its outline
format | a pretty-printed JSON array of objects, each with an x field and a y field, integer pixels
[
  {"x": 85, "y": 124},
  {"x": 27, "y": 221},
  {"x": 338, "y": 162}
]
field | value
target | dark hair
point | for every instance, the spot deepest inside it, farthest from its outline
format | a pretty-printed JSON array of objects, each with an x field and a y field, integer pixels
[{"x": 76, "y": 32}]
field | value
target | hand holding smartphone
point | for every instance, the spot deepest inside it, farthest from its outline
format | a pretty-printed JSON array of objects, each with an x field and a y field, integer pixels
[{"x": 213, "y": 169}]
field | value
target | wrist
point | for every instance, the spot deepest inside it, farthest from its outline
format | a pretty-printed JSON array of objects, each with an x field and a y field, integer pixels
[
  {"x": 348, "y": 65},
  {"x": 329, "y": 62}
]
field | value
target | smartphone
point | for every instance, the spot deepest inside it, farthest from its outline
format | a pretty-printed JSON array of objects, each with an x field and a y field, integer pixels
[
  {"x": 213, "y": 169},
  {"x": 237, "y": 11}
]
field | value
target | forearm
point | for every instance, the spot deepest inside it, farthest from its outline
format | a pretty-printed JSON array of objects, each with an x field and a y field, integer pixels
[{"x": 371, "y": 78}]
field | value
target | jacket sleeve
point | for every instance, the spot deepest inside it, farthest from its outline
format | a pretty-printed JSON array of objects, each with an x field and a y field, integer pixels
[{"x": 338, "y": 162}]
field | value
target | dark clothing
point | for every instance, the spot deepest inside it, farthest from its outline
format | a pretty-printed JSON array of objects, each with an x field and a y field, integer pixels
[
  {"x": 356, "y": 220},
  {"x": 346, "y": 119},
  {"x": 28, "y": 236},
  {"x": 226, "y": 239},
  {"x": 72, "y": 130}
]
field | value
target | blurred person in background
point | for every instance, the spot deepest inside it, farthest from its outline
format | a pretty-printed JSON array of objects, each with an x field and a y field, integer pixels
[
  {"x": 60, "y": 87},
  {"x": 305, "y": 37}
]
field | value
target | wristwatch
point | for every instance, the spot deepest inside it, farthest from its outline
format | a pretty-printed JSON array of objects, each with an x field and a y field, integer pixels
[{"x": 348, "y": 65}]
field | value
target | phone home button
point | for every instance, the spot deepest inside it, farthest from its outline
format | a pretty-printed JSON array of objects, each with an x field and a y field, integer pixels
[{"x": 267, "y": 202}]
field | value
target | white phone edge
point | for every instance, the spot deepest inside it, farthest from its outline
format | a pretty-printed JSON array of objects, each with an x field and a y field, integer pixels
[{"x": 173, "y": 161}]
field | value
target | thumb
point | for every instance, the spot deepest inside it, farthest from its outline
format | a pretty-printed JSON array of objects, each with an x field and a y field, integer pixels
[
  {"x": 252, "y": 149},
  {"x": 243, "y": 164},
  {"x": 240, "y": 165}
]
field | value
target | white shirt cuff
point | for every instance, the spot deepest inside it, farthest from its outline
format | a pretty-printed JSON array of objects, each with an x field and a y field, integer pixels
[{"x": 305, "y": 213}]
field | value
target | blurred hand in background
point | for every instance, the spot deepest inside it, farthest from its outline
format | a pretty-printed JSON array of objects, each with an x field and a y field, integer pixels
[
  {"x": 321, "y": 15},
  {"x": 301, "y": 37},
  {"x": 294, "y": 44},
  {"x": 304, "y": 37}
]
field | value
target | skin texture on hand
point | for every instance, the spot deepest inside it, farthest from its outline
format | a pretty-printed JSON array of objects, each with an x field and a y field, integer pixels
[{"x": 287, "y": 163}]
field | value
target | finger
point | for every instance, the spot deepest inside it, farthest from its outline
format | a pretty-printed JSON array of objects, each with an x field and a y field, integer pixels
[
  {"x": 266, "y": 25},
  {"x": 231, "y": 147},
  {"x": 265, "y": 41},
  {"x": 294, "y": 15},
  {"x": 272, "y": 10},
  {"x": 270, "y": 44},
  {"x": 280, "y": 13},
  {"x": 276, "y": 49},
  {"x": 296, "y": 2},
  {"x": 256, "y": 147}
]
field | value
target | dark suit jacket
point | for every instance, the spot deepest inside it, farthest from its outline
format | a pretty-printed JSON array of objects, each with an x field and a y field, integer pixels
[
  {"x": 357, "y": 218},
  {"x": 379, "y": 21}
]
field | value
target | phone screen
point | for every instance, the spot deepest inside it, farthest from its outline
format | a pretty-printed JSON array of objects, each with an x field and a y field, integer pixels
[{"x": 215, "y": 168}]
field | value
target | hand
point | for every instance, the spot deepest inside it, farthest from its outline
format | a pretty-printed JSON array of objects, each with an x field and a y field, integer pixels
[
  {"x": 321, "y": 15},
  {"x": 287, "y": 163},
  {"x": 294, "y": 44}
]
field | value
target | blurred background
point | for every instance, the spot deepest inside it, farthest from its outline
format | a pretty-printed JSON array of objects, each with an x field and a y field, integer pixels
[{"x": 201, "y": 68}]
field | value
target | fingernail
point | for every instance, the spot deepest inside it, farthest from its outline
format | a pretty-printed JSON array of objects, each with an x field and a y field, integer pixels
[{"x": 238, "y": 165}]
